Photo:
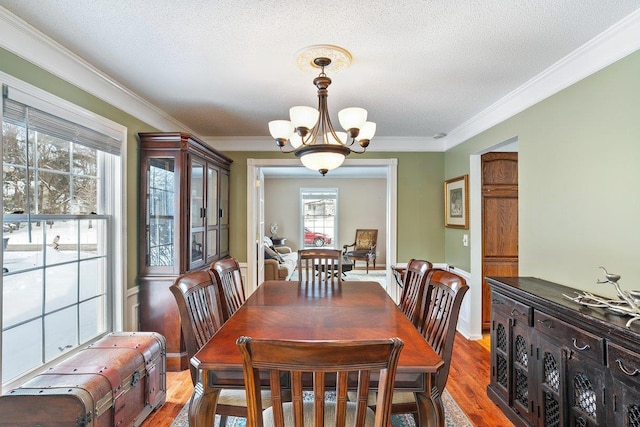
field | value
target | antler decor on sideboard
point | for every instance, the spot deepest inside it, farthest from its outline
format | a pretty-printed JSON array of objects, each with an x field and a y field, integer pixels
[{"x": 628, "y": 303}]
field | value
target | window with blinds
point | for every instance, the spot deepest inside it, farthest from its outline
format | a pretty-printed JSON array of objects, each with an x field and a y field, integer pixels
[{"x": 61, "y": 172}]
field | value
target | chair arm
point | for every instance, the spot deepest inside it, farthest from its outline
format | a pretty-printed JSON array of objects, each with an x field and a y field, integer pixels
[
  {"x": 283, "y": 249},
  {"x": 344, "y": 247},
  {"x": 271, "y": 267}
]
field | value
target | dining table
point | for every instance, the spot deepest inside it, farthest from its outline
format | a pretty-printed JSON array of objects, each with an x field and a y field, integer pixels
[{"x": 348, "y": 310}]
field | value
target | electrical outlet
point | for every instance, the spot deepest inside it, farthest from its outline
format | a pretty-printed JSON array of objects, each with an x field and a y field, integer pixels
[{"x": 465, "y": 240}]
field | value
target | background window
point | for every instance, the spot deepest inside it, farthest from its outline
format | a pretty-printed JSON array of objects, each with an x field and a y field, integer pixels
[{"x": 319, "y": 217}]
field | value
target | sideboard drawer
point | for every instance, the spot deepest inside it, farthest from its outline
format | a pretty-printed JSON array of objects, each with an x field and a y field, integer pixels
[
  {"x": 578, "y": 340},
  {"x": 512, "y": 308},
  {"x": 623, "y": 362}
]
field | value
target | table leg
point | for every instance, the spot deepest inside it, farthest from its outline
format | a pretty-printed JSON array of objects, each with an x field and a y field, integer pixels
[
  {"x": 202, "y": 406},
  {"x": 430, "y": 408}
]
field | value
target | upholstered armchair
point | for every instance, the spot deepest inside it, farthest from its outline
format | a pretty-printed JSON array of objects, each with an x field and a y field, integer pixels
[{"x": 364, "y": 248}]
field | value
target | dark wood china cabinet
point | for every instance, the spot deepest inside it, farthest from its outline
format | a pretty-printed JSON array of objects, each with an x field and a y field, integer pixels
[
  {"x": 184, "y": 225},
  {"x": 558, "y": 363}
]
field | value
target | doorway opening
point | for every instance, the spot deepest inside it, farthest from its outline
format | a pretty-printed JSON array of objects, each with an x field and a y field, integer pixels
[{"x": 255, "y": 209}]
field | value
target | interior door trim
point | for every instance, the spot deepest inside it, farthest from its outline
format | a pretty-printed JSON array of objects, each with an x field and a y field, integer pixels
[{"x": 254, "y": 234}]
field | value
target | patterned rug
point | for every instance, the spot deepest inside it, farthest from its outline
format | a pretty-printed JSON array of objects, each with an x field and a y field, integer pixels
[{"x": 454, "y": 417}]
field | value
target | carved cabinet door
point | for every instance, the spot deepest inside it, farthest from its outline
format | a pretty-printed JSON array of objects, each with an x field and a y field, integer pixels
[
  {"x": 523, "y": 368},
  {"x": 550, "y": 373},
  {"x": 585, "y": 392},
  {"x": 623, "y": 386}
]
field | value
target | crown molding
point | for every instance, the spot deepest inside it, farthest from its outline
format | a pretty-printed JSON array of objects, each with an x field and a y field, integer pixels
[
  {"x": 378, "y": 144},
  {"x": 620, "y": 40},
  {"x": 613, "y": 44},
  {"x": 24, "y": 40}
]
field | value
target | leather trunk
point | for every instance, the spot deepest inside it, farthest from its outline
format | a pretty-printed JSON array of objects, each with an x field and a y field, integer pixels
[{"x": 116, "y": 381}]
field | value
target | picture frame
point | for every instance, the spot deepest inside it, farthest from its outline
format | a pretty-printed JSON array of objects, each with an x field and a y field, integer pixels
[{"x": 456, "y": 202}]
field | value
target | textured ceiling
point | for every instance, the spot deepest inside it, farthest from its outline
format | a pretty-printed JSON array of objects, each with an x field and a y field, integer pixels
[{"x": 226, "y": 68}]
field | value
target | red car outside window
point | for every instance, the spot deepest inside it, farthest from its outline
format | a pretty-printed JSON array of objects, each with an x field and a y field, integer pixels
[{"x": 316, "y": 239}]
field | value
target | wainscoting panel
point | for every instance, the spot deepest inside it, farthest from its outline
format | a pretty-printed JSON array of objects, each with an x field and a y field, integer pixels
[
  {"x": 132, "y": 309},
  {"x": 243, "y": 273},
  {"x": 464, "y": 319}
]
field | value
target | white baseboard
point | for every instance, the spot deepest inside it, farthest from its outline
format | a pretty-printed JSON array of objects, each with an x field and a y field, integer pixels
[{"x": 464, "y": 318}]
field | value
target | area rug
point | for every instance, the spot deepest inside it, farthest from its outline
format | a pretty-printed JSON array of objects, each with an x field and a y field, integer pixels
[{"x": 454, "y": 417}]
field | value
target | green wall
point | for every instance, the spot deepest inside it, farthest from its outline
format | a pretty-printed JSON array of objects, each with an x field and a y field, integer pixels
[
  {"x": 29, "y": 73},
  {"x": 420, "y": 213},
  {"x": 579, "y": 180}
]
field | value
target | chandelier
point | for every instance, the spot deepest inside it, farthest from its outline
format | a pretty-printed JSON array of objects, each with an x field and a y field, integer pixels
[{"x": 309, "y": 132}]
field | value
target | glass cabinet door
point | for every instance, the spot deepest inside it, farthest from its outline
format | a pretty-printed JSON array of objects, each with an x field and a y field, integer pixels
[
  {"x": 160, "y": 218},
  {"x": 197, "y": 218},
  {"x": 212, "y": 212}
]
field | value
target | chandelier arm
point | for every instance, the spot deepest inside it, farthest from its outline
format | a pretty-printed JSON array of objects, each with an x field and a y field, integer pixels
[
  {"x": 333, "y": 134},
  {"x": 292, "y": 150},
  {"x": 327, "y": 125},
  {"x": 325, "y": 122},
  {"x": 311, "y": 136}
]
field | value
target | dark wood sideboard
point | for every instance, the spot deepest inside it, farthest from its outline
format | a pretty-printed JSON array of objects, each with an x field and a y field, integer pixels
[
  {"x": 558, "y": 363},
  {"x": 184, "y": 226}
]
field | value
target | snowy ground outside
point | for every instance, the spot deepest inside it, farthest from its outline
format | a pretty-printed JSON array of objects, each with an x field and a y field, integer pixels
[{"x": 42, "y": 316}]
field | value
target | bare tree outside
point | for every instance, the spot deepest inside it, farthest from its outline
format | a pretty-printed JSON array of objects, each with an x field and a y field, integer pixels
[{"x": 47, "y": 175}]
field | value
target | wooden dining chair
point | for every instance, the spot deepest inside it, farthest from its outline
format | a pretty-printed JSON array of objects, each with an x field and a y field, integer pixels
[
  {"x": 226, "y": 272},
  {"x": 413, "y": 286},
  {"x": 320, "y": 266},
  {"x": 315, "y": 363},
  {"x": 438, "y": 320},
  {"x": 201, "y": 315}
]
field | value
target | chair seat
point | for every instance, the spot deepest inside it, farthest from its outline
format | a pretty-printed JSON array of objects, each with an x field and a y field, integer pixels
[
  {"x": 361, "y": 254},
  {"x": 329, "y": 415},
  {"x": 233, "y": 397},
  {"x": 398, "y": 397}
]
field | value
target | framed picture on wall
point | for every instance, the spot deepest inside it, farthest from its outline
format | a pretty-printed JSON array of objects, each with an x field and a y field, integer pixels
[{"x": 456, "y": 202}]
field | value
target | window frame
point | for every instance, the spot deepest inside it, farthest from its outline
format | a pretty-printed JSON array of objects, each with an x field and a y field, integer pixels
[
  {"x": 309, "y": 190},
  {"x": 114, "y": 189}
]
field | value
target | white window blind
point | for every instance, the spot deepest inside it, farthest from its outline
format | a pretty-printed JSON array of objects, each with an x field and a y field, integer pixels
[{"x": 22, "y": 109}]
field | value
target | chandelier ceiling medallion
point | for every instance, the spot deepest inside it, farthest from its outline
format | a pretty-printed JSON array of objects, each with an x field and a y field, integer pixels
[{"x": 309, "y": 131}]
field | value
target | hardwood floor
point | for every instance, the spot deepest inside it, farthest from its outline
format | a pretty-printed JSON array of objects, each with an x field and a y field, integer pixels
[{"x": 468, "y": 380}]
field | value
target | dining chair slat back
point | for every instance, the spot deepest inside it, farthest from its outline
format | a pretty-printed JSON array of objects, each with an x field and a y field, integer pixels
[
  {"x": 445, "y": 291},
  {"x": 438, "y": 317},
  {"x": 319, "y": 266},
  {"x": 201, "y": 313},
  {"x": 352, "y": 363},
  {"x": 226, "y": 272},
  {"x": 413, "y": 286}
]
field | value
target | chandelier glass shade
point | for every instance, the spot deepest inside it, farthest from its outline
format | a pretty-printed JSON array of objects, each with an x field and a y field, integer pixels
[{"x": 311, "y": 135}]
